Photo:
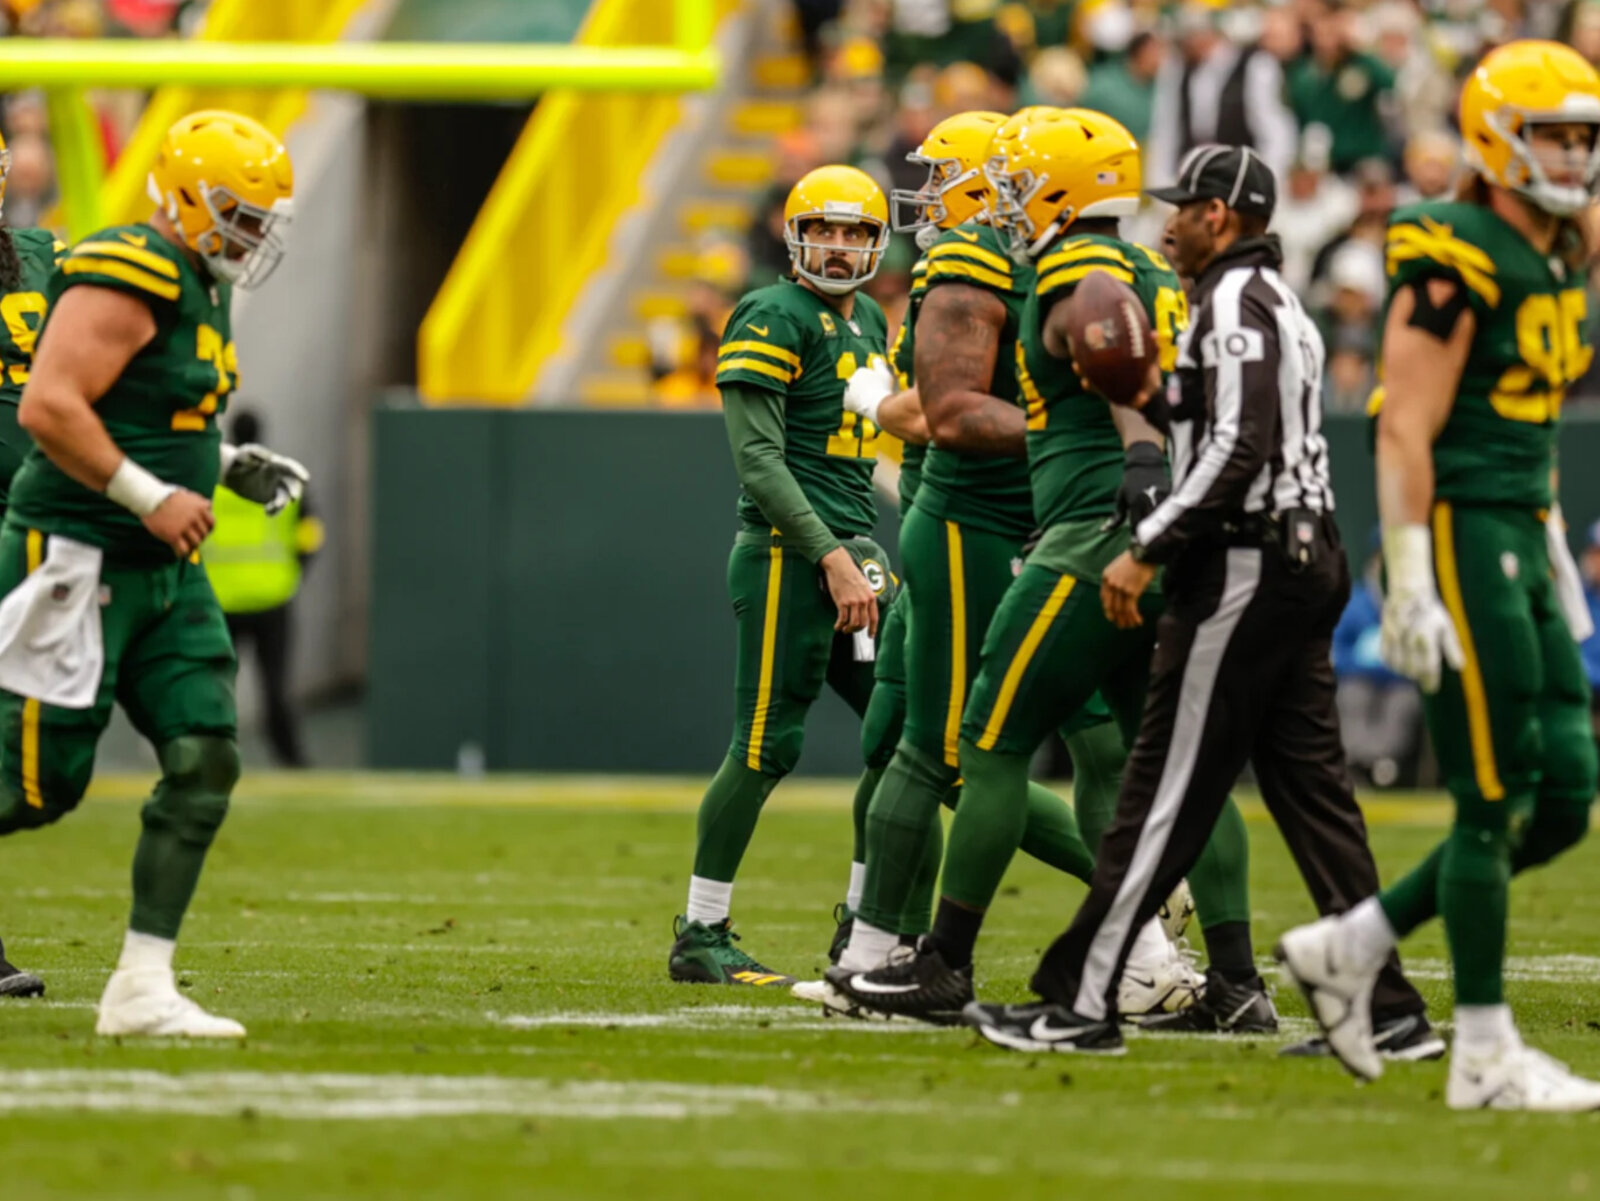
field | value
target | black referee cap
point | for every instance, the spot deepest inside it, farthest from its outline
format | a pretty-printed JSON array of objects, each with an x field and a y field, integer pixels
[{"x": 1235, "y": 175}]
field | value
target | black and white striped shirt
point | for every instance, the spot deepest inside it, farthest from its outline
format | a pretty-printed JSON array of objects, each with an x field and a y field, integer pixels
[{"x": 1245, "y": 403}]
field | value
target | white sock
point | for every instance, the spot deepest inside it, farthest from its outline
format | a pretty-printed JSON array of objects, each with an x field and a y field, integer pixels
[
  {"x": 1483, "y": 1027},
  {"x": 869, "y": 947},
  {"x": 145, "y": 951},
  {"x": 1150, "y": 945},
  {"x": 709, "y": 900},
  {"x": 1367, "y": 931},
  {"x": 858, "y": 882}
]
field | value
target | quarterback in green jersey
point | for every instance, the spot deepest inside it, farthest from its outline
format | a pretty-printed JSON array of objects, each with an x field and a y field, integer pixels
[
  {"x": 1486, "y": 327},
  {"x": 27, "y": 257},
  {"x": 805, "y": 577},
  {"x": 1046, "y": 652},
  {"x": 106, "y": 602}
]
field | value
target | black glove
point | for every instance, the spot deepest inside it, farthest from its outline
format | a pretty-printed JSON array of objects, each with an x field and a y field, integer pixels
[{"x": 1145, "y": 484}]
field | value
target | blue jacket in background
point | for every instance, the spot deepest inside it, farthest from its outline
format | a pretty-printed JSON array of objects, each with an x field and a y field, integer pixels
[{"x": 1355, "y": 639}]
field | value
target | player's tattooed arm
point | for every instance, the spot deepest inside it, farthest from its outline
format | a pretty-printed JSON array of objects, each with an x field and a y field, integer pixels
[
  {"x": 958, "y": 344},
  {"x": 1421, "y": 371}
]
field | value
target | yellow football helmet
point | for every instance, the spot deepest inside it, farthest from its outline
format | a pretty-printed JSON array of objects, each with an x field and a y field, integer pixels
[
  {"x": 836, "y": 195},
  {"x": 1053, "y": 166},
  {"x": 957, "y": 190},
  {"x": 1521, "y": 84},
  {"x": 226, "y": 184}
]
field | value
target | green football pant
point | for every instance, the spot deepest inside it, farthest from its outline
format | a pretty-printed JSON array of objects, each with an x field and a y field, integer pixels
[
  {"x": 955, "y": 578},
  {"x": 787, "y": 650},
  {"x": 1513, "y": 737},
  {"x": 169, "y": 663},
  {"x": 1049, "y": 649},
  {"x": 14, "y": 444}
]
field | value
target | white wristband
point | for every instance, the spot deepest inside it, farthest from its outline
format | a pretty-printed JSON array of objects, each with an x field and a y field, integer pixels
[
  {"x": 136, "y": 490},
  {"x": 1408, "y": 558},
  {"x": 873, "y": 405}
]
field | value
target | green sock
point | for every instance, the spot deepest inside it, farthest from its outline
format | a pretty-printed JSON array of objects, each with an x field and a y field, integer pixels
[
  {"x": 1051, "y": 834},
  {"x": 728, "y": 816},
  {"x": 917, "y": 915},
  {"x": 988, "y": 825},
  {"x": 865, "y": 788},
  {"x": 903, "y": 817},
  {"x": 1414, "y": 898},
  {"x": 1474, "y": 882},
  {"x": 1220, "y": 878},
  {"x": 179, "y": 822},
  {"x": 1097, "y": 759}
]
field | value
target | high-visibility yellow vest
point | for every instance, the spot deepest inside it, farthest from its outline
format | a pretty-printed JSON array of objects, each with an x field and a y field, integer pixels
[{"x": 254, "y": 560}]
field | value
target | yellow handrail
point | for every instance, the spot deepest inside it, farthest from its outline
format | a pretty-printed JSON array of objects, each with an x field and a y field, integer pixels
[
  {"x": 123, "y": 197},
  {"x": 544, "y": 228}
]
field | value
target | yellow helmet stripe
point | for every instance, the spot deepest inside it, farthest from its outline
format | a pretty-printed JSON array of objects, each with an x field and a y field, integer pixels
[
  {"x": 1078, "y": 252},
  {"x": 1436, "y": 243},
  {"x": 772, "y": 352},
  {"x": 127, "y": 274},
  {"x": 1073, "y": 275},
  {"x": 756, "y": 365},
  {"x": 951, "y": 269},
  {"x": 147, "y": 259},
  {"x": 977, "y": 253}
]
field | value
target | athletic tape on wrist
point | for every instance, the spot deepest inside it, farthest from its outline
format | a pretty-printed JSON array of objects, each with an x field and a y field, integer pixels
[{"x": 136, "y": 490}]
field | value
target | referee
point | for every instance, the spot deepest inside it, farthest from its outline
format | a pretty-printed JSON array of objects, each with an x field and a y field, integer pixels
[{"x": 1255, "y": 580}]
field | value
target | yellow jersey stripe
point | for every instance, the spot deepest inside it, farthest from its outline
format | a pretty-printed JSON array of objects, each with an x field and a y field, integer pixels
[
  {"x": 1436, "y": 243},
  {"x": 1080, "y": 252},
  {"x": 901, "y": 377},
  {"x": 756, "y": 365},
  {"x": 1019, "y": 662},
  {"x": 127, "y": 273},
  {"x": 1073, "y": 275},
  {"x": 31, "y": 706},
  {"x": 772, "y": 352},
  {"x": 1479, "y": 732},
  {"x": 979, "y": 254},
  {"x": 950, "y": 269},
  {"x": 1156, "y": 259},
  {"x": 769, "y": 655},
  {"x": 148, "y": 259},
  {"x": 958, "y": 645}
]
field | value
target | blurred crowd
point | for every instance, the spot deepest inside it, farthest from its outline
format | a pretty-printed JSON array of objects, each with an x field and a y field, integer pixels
[
  {"x": 31, "y": 186},
  {"x": 1351, "y": 101}
]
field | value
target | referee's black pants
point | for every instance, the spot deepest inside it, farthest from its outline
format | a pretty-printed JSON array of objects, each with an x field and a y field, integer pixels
[{"x": 1241, "y": 672}]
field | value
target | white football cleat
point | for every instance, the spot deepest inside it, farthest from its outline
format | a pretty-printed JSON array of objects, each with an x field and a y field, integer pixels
[
  {"x": 1162, "y": 979},
  {"x": 834, "y": 1003},
  {"x": 1175, "y": 914},
  {"x": 1512, "y": 1076},
  {"x": 146, "y": 1003},
  {"x": 1338, "y": 989}
]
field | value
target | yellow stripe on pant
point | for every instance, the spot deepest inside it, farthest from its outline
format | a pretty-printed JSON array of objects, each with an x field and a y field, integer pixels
[
  {"x": 769, "y": 654},
  {"x": 30, "y": 706},
  {"x": 1479, "y": 731},
  {"x": 958, "y": 645},
  {"x": 1019, "y": 662}
]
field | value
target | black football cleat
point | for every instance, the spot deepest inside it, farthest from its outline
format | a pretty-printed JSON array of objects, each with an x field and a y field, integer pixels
[
  {"x": 1044, "y": 1026},
  {"x": 1407, "y": 1039},
  {"x": 1224, "y": 1008},
  {"x": 844, "y": 922},
  {"x": 14, "y": 982},
  {"x": 915, "y": 983}
]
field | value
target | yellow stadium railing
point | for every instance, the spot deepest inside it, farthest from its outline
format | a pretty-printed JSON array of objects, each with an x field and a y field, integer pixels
[
  {"x": 544, "y": 228},
  {"x": 123, "y": 196}
]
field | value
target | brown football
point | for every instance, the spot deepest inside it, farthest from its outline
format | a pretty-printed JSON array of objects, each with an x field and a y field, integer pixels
[{"x": 1110, "y": 336}]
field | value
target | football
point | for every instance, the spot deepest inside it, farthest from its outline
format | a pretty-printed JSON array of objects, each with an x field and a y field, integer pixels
[{"x": 1109, "y": 333}]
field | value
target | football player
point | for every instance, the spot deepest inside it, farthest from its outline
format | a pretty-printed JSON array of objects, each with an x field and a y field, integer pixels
[
  {"x": 804, "y": 574},
  {"x": 1064, "y": 178},
  {"x": 27, "y": 257},
  {"x": 107, "y": 602},
  {"x": 1485, "y": 328}
]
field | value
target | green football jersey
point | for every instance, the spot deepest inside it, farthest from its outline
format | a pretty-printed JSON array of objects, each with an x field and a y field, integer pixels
[
  {"x": 1074, "y": 449},
  {"x": 787, "y": 339},
  {"x": 23, "y": 309},
  {"x": 985, "y": 492},
  {"x": 1532, "y": 340},
  {"x": 162, "y": 411},
  {"x": 900, "y": 359}
]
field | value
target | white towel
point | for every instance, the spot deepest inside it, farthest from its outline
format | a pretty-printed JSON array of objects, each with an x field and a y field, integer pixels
[
  {"x": 51, "y": 647},
  {"x": 1568, "y": 581}
]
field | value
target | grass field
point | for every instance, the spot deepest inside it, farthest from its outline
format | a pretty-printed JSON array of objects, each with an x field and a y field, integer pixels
[{"x": 459, "y": 991}]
